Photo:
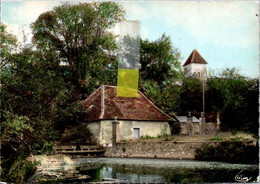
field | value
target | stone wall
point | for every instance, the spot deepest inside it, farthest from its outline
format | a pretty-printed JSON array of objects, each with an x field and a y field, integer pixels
[
  {"x": 175, "y": 150},
  {"x": 169, "y": 149},
  {"x": 208, "y": 128}
]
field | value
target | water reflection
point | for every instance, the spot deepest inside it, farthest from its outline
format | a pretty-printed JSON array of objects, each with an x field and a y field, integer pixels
[
  {"x": 159, "y": 170},
  {"x": 109, "y": 172},
  {"x": 133, "y": 174}
]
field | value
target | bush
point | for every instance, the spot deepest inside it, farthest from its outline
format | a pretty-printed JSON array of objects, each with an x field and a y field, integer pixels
[
  {"x": 233, "y": 132},
  {"x": 228, "y": 151},
  {"x": 162, "y": 135},
  {"x": 169, "y": 139},
  {"x": 216, "y": 138},
  {"x": 235, "y": 138},
  {"x": 147, "y": 137},
  {"x": 21, "y": 170}
]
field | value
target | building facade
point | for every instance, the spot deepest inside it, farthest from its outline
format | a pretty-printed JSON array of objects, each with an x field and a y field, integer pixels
[
  {"x": 195, "y": 66},
  {"x": 111, "y": 117}
]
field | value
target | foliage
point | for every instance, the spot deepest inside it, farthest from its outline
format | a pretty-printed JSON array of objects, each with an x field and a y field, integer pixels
[
  {"x": 163, "y": 133},
  {"x": 77, "y": 36},
  {"x": 147, "y": 137},
  {"x": 167, "y": 139},
  {"x": 159, "y": 61},
  {"x": 16, "y": 134},
  {"x": 79, "y": 134},
  {"x": 21, "y": 170},
  {"x": 234, "y": 96},
  {"x": 233, "y": 132},
  {"x": 216, "y": 138},
  {"x": 229, "y": 93},
  {"x": 160, "y": 71},
  {"x": 191, "y": 96},
  {"x": 8, "y": 44},
  {"x": 234, "y": 152},
  {"x": 235, "y": 138},
  {"x": 40, "y": 95}
]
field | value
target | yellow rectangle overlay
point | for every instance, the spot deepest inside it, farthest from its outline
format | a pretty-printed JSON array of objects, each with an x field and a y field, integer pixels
[{"x": 127, "y": 82}]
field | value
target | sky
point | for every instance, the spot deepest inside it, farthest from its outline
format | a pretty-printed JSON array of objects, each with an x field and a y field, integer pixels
[{"x": 226, "y": 33}]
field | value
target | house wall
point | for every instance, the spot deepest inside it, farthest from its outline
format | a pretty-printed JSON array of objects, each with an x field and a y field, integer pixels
[
  {"x": 126, "y": 128},
  {"x": 106, "y": 132},
  {"x": 102, "y": 131},
  {"x": 195, "y": 68},
  {"x": 94, "y": 128}
]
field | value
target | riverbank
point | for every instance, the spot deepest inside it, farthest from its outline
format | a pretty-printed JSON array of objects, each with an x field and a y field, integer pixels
[
  {"x": 161, "y": 149},
  {"x": 60, "y": 168},
  {"x": 173, "y": 147}
]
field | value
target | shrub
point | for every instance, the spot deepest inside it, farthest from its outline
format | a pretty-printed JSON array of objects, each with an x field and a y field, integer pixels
[
  {"x": 162, "y": 135},
  {"x": 216, "y": 138},
  {"x": 21, "y": 170},
  {"x": 169, "y": 139},
  {"x": 235, "y": 138},
  {"x": 228, "y": 151},
  {"x": 233, "y": 132},
  {"x": 147, "y": 137}
]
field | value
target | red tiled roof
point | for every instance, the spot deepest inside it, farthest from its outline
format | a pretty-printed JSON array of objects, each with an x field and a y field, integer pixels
[
  {"x": 195, "y": 57},
  {"x": 104, "y": 104}
]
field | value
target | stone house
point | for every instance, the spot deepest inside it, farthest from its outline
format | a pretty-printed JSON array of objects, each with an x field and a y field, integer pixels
[{"x": 135, "y": 117}]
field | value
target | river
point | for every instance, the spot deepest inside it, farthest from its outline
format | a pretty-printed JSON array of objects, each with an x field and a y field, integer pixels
[{"x": 135, "y": 170}]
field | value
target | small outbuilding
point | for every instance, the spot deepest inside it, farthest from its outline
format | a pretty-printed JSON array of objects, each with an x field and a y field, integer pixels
[
  {"x": 183, "y": 121},
  {"x": 123, "y": 118}
]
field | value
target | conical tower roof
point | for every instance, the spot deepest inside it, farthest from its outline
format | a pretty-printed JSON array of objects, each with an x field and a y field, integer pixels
[{"x": 195, "y": 57}]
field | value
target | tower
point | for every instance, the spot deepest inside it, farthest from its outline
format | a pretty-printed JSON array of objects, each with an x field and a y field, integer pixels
[{"x": 195, "y": 65}]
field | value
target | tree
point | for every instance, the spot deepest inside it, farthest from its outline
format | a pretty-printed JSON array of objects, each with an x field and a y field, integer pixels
[
  {"x": 40, "y": 97},
  {"x": 191, "y": 96},
  {"x": 160, "y": 61},
  {"x": 234, "y": 96},
  {"x": 8, "y": 43},
  {"x": 160, "y": 72},
  {"x": 77, "y": 35}
]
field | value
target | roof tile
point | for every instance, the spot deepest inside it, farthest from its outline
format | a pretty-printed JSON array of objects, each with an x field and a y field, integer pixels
[
  {"x": 195, "y": 57},
  {"x": 124, "y": 108}
]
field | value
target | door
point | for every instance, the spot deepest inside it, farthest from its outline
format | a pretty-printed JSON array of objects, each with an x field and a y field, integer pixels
[{"x": 136, "y": 132}]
